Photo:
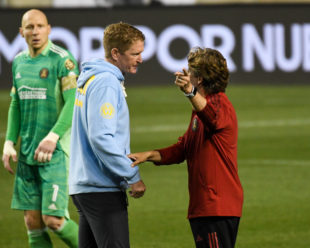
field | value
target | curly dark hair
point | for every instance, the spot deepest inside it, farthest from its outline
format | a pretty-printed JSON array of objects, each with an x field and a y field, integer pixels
[{"x": 211, "y": 66}]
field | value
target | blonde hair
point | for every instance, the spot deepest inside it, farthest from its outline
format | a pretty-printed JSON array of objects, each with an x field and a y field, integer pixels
[
  {"x": 121, "y": 36},
  {"x": 211, "y": 66}
]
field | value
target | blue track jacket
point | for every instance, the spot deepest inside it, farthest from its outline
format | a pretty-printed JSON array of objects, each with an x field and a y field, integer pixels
[{"x": 100, "y": 137}]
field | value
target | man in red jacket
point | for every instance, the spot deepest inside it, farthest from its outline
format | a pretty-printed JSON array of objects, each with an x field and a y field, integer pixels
[{"x": 210, "y": 148}]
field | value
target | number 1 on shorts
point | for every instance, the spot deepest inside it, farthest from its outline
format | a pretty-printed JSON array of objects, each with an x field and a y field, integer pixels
[{"x": 56, "y": 188}]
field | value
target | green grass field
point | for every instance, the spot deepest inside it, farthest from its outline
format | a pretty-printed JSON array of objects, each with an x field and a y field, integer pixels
[{"x": 274, "y": 167}]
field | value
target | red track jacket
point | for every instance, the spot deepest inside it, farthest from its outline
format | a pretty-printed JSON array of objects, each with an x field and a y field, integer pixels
[{"x": 210, "y": 148}]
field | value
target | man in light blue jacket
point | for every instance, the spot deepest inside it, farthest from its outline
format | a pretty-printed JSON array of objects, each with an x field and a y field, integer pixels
[{"x": 100, "y": 171}]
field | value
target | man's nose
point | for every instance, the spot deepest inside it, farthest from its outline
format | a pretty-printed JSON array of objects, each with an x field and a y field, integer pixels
[
  {"x": 140, "y": 60},
  {"x": 35, "y": 30}
]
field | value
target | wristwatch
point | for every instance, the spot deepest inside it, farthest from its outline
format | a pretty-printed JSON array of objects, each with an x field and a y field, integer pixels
[{"x": 192, "y": 93}]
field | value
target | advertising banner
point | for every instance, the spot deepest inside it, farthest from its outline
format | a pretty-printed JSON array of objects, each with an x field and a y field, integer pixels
[{"x": 263, "y": 44}]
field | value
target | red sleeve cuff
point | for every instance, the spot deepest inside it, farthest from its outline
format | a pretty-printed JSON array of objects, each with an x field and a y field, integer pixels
[{"x": 171, "y": 155}]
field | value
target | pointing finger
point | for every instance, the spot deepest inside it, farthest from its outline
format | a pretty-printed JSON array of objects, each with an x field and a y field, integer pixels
[{"x": 185, "y": 72}]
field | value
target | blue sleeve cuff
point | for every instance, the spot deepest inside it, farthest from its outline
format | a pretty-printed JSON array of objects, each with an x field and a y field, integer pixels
[{"x": 136, "y": 178}]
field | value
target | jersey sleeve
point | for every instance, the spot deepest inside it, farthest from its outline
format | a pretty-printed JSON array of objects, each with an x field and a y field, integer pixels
[
  {"x": 13, "y": 125},
  {"x": 173, "y": 154},
  {"x": 67, "y": 74},
  {"x": 216, "y": 113}
]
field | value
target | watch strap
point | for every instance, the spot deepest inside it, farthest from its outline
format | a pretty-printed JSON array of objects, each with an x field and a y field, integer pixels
[{"x": 192, "y": 93}]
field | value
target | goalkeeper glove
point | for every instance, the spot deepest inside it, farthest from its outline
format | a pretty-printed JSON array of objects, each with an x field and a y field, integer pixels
[
  {"x": 45, "y": 150},
  {"x": 8, "y": 151}
]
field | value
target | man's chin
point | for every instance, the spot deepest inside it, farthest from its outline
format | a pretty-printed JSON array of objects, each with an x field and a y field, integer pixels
[
  {"x": 133, "y": 71},
  {"x": 36, "y": 46}
]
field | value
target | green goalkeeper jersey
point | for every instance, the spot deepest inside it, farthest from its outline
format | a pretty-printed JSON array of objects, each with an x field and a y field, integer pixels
[{"x": 43, "y": 95}]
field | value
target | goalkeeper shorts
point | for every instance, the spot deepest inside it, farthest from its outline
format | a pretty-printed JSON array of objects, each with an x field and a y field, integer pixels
[{"x": 41, "y": 188}]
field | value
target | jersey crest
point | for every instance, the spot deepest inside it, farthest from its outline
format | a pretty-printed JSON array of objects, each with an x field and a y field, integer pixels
[
  {"x": 195, "y": 124},
  {"x": 44, "y": 73}
]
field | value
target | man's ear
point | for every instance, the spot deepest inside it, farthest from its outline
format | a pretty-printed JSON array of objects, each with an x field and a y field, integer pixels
[
  {"x": 200, "y": 79},
  {"x": 21, "y": 31},
  {"x": 49, "y": 28},
  {"x": 114, "y": 54}
]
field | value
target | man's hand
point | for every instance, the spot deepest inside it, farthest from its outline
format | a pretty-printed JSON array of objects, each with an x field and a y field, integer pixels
[
  {"x": 137, "y": 189},
  {"x": 8, "y": 152},
  {"x": 45, "y": 149}
]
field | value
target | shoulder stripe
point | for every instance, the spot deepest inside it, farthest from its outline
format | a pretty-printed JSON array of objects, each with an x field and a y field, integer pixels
[
  {"x": 21, "y": 53},
  {"x": 83, "y": 89},
  {"x": 58, "y": 48},
  {"x": 60, "y": 51}
]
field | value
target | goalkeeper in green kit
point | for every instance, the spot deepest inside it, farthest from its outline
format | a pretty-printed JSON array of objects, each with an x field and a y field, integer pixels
[{"x": 43, "y": 92}]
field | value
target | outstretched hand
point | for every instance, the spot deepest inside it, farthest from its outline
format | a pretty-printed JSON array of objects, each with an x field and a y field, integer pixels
[{"x": 138, "y": 158}]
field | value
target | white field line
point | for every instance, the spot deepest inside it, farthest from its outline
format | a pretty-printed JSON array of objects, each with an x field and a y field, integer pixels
[
  {"x": 159, "y": 128},
  {"x": 243, "y": 124},
  {"x": 274, "y": 123},
  {"x": 275, "y": 162}
]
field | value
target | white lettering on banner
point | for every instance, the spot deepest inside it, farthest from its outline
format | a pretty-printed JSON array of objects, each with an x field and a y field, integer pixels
[
  {"x": 252, "y": 44},
  {"x": 164, "y": 40},
  {"x": 210, "y": 32},
  {"x": 264, "y": 46},
  {"x": 290, "y": 64},
  {"x": 87, "y": 36},
  {"x": 150, "y": 45},
  {"x": 271, "y": 51},
  {"x": 8, "y": 50},
  {"x": 306, "y": 50}
]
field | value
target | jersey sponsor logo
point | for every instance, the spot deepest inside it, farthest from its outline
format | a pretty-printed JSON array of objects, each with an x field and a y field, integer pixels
[
  {"x": 195, "y": 124},
  {"x": 107, "y": 110},
  {"x": 44, "y": 73},
  {"x": 26, "y": 92},
  {"x": 69, "y": 64}
]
